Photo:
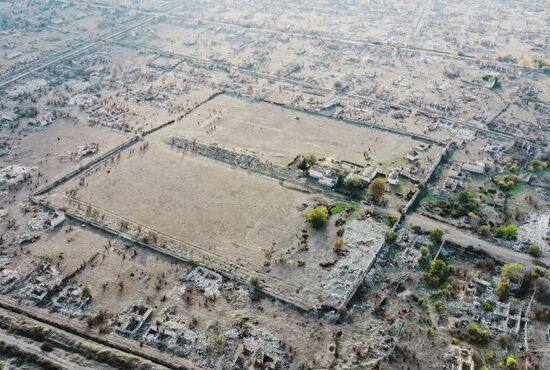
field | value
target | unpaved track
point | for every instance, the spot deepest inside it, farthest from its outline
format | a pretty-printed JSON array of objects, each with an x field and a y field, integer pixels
[
  {"x": 80, "y": 329},
  {"x": 465, "y": 238}
]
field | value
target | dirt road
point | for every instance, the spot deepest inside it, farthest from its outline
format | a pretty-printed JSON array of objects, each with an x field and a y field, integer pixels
[{"x": 465, "y": 239}]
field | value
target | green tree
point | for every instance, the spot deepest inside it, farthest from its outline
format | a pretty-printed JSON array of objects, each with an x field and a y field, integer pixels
[
  {"x": 390, "y": 237},
  {"x": 318, "y": 217},
  {"x": 513, "y": 271},
  {"x": 439, "y": 272},
  {"x": 436, "y": 236},
  {"x": 355, "y": 184},
  {"x": 476, "y": 334},
  {"x": 391, "y": 220},
  {"x": 487, "y": 306},
  {"x": 503, "y": 288},
  {"x": 377, "y": 189}
]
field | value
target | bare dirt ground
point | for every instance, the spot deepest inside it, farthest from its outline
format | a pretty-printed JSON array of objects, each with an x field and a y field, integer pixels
[{"x": 279, "y": 134}]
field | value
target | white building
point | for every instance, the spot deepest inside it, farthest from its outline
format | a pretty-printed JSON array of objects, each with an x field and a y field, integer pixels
[
  {"x": 477, "y": 167},
  {"x": 393, "y": 178}
]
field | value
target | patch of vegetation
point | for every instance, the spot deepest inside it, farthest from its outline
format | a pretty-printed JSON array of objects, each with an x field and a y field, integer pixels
[
  {"x": 340, "y": 207},
  {"x": 86, "y": 292},
  {"x": 254, "y": 281},
  {"x": 456, "y": 206},
  {"x": 46, "y": 346},
  {"x": 377, "y": 189},
  {"x": 390, "y": 237},
  {"x": 487, "y": 306},
  {"x": 318, "y": 217},
  {"x": 509, "y": 363},
  {"x": 438, "y": 272},
  {"x": 506, "y": 232},
  {"x": 506, "y": 183},
  {"x": 391, "y": 220},
  {"x": 534, "y": 250},
  {"x": 477, "y": 335},
  {"x": 436, "y": 236},
  {"x": 307, "y": 162},
  {"x": 338, "y": 245}
]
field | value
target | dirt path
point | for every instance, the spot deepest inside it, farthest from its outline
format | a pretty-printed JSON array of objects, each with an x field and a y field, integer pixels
[
  {"x": 81, "y": 330},
  {"x": 33, "y": 350},
  {"x": 465, "y": 238}
]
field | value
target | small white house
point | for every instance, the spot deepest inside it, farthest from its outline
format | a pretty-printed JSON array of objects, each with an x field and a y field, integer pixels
[
  {"x": 413, "y": 156},
  {"x": 393, "y": 178},
  {"x": 368, "y": 174},
  {"x": 477, "y": 167}
]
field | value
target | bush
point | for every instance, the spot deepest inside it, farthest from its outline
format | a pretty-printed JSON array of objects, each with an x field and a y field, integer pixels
[
  {"x": 390, "y": 237},
  {"x": 534, "y": 250},
  {"x": 338, "y": 246},
  {"x": 255, "y": 281},
  {"x": 506, "y": 232},
  {"x": 513, "y": 271},
  {"x": 477, "y": 335},
  {"x": 86, "y": 292},
  {"x": 503, "y": 288},
  {"x": 487, "y": 306},
  {"x": 484, "y": 231},
  {"x": 318, "y": 217},
  {"x": 438, "y": 273},
  {"x": 46, "y": 346},
  {"x": 438, "y": 305},
  {"x": 307, "y": 162},
  {"x": 355, "y": 184},
  {"x": 511, "y": 363},
  {"x": 416, "y": 229},
  {"x": 391, "y": 220},
  {"x": 424, "y": 251},
  {"x": 436, "y": 236}
]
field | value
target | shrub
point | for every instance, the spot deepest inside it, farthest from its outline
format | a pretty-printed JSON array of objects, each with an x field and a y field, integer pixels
[
  {"x": 338, "y": 246},
  {"x": 429, "y": 332},
  {"x": 484, "y": 231},
  {"x": 355, "y": 184},
  {"x": 424, "y": 251},
  {"x": 318, "y": 217},
  {"x": 46, "y": 346},
  {"x": 255, "y": 281},
  {"x": 86, "y": 292},
  {"x": 416, "y": 229},
  {"x": 511, "y": 363},
  {"x": 490, "y": 356},
  {"x": 487, "y": 306},
  {"x": 513, "y": 271},
  {"x": 503, "y": 288},
  {"x": 391, "y": 220},
  {"x": 534, "y": 250},
  {"x": 439, "y": 272},
  {"x": 438, "y": 305},
  {"x": 476, "y": 334},
  {"x": 301, "y": 263},
  {"x": 436, "y": 236},
  {"x": 390, "y": 237},
  {"x": 506, "y": 232}
]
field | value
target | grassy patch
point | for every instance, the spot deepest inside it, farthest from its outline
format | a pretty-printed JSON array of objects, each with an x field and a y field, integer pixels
[
  {"x": 516, "y": 189},
  {"x": 340, "y": 207}
]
